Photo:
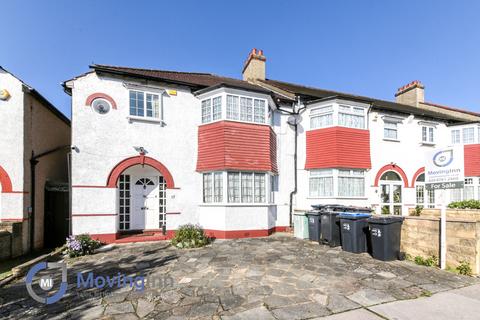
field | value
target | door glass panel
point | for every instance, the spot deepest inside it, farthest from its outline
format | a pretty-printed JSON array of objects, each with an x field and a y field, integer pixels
[
  {"x": 385, "y": 193},
  {"x": 385, "y": 209},
  {"x": 397, "y": 194}
]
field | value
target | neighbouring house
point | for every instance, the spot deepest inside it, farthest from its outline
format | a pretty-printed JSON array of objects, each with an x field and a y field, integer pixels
[
  {"x": 155, "y": 149},
  {"x": 34, "y": 146}
]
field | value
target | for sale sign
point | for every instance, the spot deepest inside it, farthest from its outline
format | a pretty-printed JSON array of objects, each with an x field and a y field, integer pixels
[{"x": 444, "y": 168}]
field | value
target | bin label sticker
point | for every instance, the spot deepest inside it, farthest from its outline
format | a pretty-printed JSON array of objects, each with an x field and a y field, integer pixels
[
  {"x": 376, "y": 232},
  {"x": 311, "y": 220},
  {"x": 346, "y": 226}
]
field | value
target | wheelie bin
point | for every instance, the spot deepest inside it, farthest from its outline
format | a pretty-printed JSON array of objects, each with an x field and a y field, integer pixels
[
  {"x": 300, "y": 225},
  {"x": 354, "y": 229},
  {"x": 330, "y": 224},
  {"x": 385, "y": 233},
  {"x": 313, "y": 225}
]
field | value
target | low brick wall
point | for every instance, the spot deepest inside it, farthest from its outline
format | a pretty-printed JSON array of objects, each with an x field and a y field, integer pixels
[
  {"x": 11, "y": 244},
  {"x": 421, "y": 237},
  {"x": 473, "y": 214}
]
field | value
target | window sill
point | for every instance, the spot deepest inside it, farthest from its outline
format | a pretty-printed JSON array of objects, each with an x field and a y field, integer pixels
[
  {"x": 236, "y": 204},
  {"x": 144, "y": 119},
  {"x": 428, "y": 144},
  {"x": 346, "y": 198},
  {"x": 391, "y": 140}
]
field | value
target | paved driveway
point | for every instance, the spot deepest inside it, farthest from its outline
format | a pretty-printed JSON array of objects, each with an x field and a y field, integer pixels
[{"x": 265, "y": 278}]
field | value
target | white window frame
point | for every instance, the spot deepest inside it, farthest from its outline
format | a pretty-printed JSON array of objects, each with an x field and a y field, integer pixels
[
  {"x": 215, "y": 184},
  {"x": 334, "y": 175},
  {"x": 428, "y": 134},
  {"x": 464, "y": 130},
  {"x": 318, "y": 113},
  {"x": 472, "y": 183},
  {"x": 351, "y": 111},
  {"x": 329, "y": 115},
  {"x": 156, "y": 114},
  {"x": 456, "y": 136},
  {"x": 393, "y": 128}
]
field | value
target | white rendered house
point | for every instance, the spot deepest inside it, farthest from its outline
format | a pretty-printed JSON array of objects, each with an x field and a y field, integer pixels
[{"x": 154, "y": 149}]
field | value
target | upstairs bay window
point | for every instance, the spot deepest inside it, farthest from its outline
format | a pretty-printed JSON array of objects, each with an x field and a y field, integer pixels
[
  {"x": 455, "y": 136},
  {"x": 468, "y": 135},
  {"x": 465, "y": 135},
  {"x": 332, "y": 183},
  {"x": 338, "y": 115},
  {"x": 237, "y": 108},
  {"x": 143, "y": 104}
]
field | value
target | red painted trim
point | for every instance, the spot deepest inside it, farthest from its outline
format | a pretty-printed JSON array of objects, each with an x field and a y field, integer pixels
[
  {"x": 106, "y": 237},
  {"x": 13, "y": 219},
  {"x": 97, "y": 95},
  {"x": 19, "y": 192},
  {"x": 93, "y": 214},
  {"x": 391, "y": 167},
  {"x": 127, "y": 163},
  {"x": 415, "y": 176},
  {"x": 236, "y": 234},
  {"x": 5, "y": 181}
]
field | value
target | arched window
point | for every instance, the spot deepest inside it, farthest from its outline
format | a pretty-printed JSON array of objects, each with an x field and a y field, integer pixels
[{"x": 390, "y": 176}]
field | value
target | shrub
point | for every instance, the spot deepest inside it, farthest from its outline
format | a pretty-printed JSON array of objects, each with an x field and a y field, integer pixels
[
  {"x": 418, "y": 211},
  {"x": 465, "y": 204},
  {"x": 429, "y": 262},
  {"x": 81, "y": 245},
  {"x": 190, "y": 236},
  {"x": 464, "y": 268}
]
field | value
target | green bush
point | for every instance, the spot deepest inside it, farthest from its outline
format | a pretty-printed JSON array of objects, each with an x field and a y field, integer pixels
[
  {"x": 466, "y": 204},
  {"x": 429, "y": 262},
  {"x": 190, "y": 236},
  {"x": 81, "y": 245},
  {"x": 464, "y": 268},
  {"x": 418, "y": 211}
]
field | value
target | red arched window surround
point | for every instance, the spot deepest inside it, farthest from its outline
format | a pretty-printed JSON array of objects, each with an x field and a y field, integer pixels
[
  {"x": 5, "y": 181},
  {"x": 143, "y": 160},
  {"x": 97, "y": 95},
  {"x": 391, "y": 167},
  {"x": 415, "y": 176}
]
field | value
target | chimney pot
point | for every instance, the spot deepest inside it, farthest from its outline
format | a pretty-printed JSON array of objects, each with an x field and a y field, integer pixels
[
  {"x": 254, "y": 67},
  {"x": 412, "y": 94}
]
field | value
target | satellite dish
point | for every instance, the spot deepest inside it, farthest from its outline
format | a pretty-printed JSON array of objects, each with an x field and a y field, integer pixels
[
  {"x": 101, "y": 106},
  {"x": 293, "y": 120}
]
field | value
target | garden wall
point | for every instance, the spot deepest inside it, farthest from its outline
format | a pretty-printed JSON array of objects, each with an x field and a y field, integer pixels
[{"x": 421, "y": 237}]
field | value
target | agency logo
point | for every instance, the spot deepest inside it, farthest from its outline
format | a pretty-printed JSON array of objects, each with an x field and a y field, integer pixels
[
  {"x": 443, "y": 158},
  {"x": 46, "y": 282}
]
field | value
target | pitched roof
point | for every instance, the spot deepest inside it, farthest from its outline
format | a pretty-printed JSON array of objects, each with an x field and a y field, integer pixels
[
  {"x": 312, "y": 94},
  {"x": 197, "y": 80}
]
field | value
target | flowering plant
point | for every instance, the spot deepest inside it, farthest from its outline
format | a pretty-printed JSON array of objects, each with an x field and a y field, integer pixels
[{"x": 81, "y": 245}]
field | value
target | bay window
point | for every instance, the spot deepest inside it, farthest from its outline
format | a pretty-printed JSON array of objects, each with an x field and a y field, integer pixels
[
  {"x": 217, "y": 108},
  {"x": 470, "y": 191},
  {"x": 321, "y": 117},
  {"x": 348, "y": 183},
  {"x": 144, "y": 104},
  {"x": 351, "y": 117},
  {"x": 206, "y": 111},
  {"x": 242, "y": 187}
]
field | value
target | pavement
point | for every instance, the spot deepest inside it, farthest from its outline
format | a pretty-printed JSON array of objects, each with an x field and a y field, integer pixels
[{"x": 277, "y": 277}]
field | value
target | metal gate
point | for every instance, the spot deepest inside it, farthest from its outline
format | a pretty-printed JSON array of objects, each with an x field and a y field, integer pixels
[{"x": 56, "y": 217}]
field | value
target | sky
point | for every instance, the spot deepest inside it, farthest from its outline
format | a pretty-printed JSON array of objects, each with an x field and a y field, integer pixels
[{"x": 369, "y": 48}]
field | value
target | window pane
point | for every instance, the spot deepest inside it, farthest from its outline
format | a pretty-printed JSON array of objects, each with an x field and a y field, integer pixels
[
  {"x": 351, "y": 121},
  {"x": 217, "y": 108},
  {"x": 152, "y": 105},
  {"x": 232, "y": 107},
  {"x": 468, "y": 193},
  {"x": 246, "y": 109},
  {"x": 207, "y": 187},
  {"x": 233, "y": 186},
  {"x": 468, "y": 135},
  {"x": 206, "y": 111},
  {"x": 259, "y": 111},
  {"x": 247, "y": 187},
  {"x": 455, "y": 136},
  {"x": 351, "y": 187},
  {"x": 420, "y": 191},
  {"x": 136, "y": 103},
  {"x": 259, "y": 187},
  {"x": 424, "y": 133},
  {"x": 321, "y": 121},
  {"x": 218, "y": 182},
  {"x": 390, "y": 130},
  {"x": 321, "y": 186}
]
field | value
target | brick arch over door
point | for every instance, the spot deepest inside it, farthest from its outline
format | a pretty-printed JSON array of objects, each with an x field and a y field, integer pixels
[
  {"x": 415, "y": 176},
  {"x": 5, "y": 181},
  {"x": 143, "y": 160},
  {"x": 391, "y": 167}
]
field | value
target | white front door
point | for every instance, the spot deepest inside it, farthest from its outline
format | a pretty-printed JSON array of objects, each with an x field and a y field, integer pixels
[
  {"x": 391, "y": 198},
  {"x": 144, "y": 209}
]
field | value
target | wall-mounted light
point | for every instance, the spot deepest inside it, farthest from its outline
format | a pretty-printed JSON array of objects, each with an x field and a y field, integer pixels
[
  {"x": 4, "y": 94},
  {"x": 139, "y": 149}
]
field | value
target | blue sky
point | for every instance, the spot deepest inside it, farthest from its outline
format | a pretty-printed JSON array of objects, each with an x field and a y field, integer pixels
[{"x": 364, "y": 47}]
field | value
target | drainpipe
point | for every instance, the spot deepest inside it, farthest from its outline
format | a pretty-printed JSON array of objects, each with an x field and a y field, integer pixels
[{"x": 33, "y": 163}]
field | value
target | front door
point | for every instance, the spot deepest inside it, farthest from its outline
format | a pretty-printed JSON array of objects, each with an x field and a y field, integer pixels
[
  {"x": 391, "y": 198},
  {"x": 144, "y": 203}
]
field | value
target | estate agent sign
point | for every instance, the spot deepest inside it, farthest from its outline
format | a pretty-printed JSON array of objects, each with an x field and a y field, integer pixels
[{"x": 444, "y": 168}]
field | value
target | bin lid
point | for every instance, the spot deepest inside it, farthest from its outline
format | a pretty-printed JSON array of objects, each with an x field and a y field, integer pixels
[
  {"x": 387, "y": 219},
  {"x": 312, "y": 213},
  {"x": 299, "y": 213},
  {"x": 354, "y": 215}
]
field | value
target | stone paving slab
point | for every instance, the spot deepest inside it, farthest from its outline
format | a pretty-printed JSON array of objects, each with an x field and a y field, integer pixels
[
  {"x": 358, "y": 314},
  {"x": 278, "y": 277}
]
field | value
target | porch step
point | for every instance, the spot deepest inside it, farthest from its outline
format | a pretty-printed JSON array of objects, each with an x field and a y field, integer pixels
[{"x": 141, "y": 237}]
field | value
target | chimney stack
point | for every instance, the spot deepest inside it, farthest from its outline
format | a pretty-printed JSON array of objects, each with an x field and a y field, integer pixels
[
  {"x": 254, "y": 67},
  {"x": 412, "y": 94}
]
